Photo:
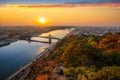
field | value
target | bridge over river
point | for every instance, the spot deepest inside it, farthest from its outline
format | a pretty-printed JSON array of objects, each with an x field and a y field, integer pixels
[
  {"x": 50, "y": 37},
  {"x": 22, "y": 54}
]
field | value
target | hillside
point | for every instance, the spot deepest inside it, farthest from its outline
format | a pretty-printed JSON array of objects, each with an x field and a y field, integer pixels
[{"x": 81, "y": 58}]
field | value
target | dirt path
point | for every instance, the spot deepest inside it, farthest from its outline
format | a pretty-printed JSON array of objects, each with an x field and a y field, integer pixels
[{"x": 57, "y": 73}]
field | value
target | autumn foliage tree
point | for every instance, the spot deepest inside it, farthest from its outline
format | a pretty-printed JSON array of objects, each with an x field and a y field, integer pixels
[{"x": 84, "y": 57}]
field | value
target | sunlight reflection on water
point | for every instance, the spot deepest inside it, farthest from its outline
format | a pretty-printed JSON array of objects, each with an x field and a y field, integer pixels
[{"x": 21, "y": 52}]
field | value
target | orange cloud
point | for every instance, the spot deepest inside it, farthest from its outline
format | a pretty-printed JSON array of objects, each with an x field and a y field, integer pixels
[
  {"x": 40, "y": 5},
  {"x": 66, "y": 5},
  {"x": 99, "y": 4}
]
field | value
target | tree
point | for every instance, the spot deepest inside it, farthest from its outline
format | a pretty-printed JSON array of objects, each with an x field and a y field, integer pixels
[{"x": 107, "y": 73}]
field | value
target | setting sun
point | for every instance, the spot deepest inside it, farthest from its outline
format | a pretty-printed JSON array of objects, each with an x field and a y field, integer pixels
[{"x": 42, "y": 20}]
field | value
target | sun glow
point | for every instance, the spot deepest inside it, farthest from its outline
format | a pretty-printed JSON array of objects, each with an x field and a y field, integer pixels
[
  {"x": 42, "y": 20},
  {"x": 55, "y": 16}
]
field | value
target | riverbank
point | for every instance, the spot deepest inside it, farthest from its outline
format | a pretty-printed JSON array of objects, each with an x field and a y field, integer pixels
[
  {"x": 22, "y": 73},
  {"x": 4, "y": 44},
  {"x": 78, "y": 57},
  {"x": 45, "y": 65},
  {"x": 9, "y": 35},
  {"x": 7, "y": 43}
]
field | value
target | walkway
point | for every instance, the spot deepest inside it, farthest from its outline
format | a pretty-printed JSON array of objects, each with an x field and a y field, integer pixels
[{"x": 57, "y": 73}]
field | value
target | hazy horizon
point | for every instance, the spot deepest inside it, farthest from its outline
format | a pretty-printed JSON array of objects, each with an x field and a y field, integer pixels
[{"x": 60, "y": 13}]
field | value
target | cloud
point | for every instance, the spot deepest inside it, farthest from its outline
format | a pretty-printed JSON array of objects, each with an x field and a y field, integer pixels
[
  {"x": 47, "y": 5},
  {"x": 67, "y": 5},
  {"x": 95, "y": 4},
  {"x": 40, "y": 5}
]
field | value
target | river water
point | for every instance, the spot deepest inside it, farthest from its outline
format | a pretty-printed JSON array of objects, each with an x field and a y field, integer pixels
[{"x": 19, "y": 53}]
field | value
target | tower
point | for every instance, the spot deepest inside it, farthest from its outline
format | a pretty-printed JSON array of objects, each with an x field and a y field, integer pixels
[{"x": 50, "y": 40}]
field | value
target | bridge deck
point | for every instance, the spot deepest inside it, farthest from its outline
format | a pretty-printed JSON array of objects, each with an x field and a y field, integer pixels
[
  {"x": 52, "y": 37},
  {"x": 39, "y": 41}
]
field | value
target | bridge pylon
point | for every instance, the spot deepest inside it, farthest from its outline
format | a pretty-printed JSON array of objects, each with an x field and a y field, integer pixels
[{"x": 50, "y": 39}]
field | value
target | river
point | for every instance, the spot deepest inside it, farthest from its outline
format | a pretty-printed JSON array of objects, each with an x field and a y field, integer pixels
[{"x": 19, "y": 53}]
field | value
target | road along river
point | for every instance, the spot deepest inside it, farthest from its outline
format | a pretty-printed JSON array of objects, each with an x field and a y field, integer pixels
[{"x": 19, "y": 54}]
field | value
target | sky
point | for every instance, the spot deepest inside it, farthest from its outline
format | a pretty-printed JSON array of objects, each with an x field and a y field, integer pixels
[
  {"x": 54, "y": 1},
  {"x": 60, "y": 12}
]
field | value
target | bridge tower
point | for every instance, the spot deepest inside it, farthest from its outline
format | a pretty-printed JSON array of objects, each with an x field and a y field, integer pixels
[{"x": 50, "y": 39}]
